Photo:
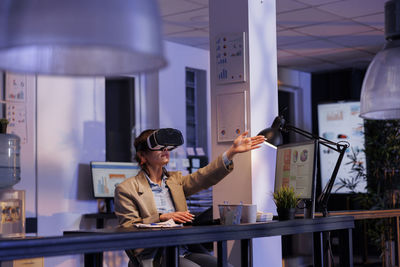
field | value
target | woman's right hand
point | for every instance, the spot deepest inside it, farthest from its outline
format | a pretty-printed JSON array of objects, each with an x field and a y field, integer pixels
[{"x": 178, "y": 216}]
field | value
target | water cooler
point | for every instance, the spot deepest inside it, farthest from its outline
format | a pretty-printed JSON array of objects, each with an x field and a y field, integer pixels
[{"x": 12, "y": 202}]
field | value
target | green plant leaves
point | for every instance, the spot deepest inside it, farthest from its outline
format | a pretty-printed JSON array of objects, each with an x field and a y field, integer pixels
[{"x": 286, "y": 197}]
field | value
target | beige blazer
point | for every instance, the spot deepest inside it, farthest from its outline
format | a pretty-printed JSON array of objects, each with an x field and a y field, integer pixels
[{"x": 134, "y": 201}]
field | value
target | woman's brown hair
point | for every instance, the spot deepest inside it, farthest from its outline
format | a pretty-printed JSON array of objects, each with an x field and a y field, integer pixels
[
  {"x": 141, "y": 143},
  {"x": 141, "y": 146}
]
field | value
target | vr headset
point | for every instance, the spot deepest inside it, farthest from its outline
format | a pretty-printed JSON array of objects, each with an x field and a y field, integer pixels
[{"x": 166, "y": 138}]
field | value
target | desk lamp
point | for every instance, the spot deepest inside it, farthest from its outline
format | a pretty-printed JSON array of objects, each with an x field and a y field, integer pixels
[{"x": 273, "y": 137}]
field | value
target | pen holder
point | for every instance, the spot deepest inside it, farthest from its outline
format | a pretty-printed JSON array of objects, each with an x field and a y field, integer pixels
[{"x": 230, "y": 214}]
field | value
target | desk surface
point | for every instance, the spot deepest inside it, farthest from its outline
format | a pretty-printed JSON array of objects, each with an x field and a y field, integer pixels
[{"x": 97, "y": 240}]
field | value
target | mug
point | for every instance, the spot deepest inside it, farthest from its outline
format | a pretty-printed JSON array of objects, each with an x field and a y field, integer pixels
[{"x": 249, "y": 213}]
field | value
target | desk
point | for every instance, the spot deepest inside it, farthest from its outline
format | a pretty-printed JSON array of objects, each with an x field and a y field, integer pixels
[{"x": 98, "y": 240}]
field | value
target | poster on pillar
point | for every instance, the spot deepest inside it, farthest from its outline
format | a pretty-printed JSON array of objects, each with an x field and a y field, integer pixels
[
  {"x": 230, "y": 58},
  {"x": 16, "y": 105},
  {"x": 231, "y": 115}
]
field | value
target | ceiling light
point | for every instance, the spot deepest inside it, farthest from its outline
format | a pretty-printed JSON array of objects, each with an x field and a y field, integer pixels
[
  {"x": 80, "y": 37},
  {"x": 380, "y": 93}
]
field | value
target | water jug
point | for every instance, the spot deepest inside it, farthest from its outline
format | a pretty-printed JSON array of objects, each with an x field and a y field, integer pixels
[{"x": 10, "y": 171}]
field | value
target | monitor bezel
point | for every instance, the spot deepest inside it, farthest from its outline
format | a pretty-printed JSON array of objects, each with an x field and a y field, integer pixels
[{"x": 106, "y": 162}]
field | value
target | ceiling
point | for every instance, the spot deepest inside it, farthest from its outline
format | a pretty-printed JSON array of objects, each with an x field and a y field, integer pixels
[{"x": 312, "y": 35}]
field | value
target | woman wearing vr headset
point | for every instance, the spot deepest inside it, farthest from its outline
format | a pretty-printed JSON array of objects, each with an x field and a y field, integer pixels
[{"x": 156, "y": 195}]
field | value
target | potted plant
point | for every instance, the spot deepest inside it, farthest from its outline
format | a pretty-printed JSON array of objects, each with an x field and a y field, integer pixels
[{"x": 286, "y": 201}]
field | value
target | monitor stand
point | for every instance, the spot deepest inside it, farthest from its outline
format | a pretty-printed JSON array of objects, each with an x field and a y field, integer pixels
[
  {"x": 309, "y": 209},
  {"x": 109, "y": 205}
]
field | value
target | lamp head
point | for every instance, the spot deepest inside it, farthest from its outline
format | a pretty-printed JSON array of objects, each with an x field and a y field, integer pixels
[
  {"x": 380, "y": 92},
  {"x": 273, "y": 136},
  {"x": 74, "y": 37}
]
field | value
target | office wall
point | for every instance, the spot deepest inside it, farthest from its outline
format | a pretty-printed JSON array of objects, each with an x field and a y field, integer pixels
[
  {"x": 70, "y": 133},
  {"x": 300, "y": 83},
  {"x": 172, "y": 104}
]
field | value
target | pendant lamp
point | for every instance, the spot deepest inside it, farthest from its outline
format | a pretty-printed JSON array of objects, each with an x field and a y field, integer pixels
[
  {"x": 80, "y": 37},
  {"x": 380, "y": 93}
]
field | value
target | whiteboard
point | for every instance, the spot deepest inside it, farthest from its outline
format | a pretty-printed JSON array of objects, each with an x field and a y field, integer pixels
[{"x": 341, "y": 122}]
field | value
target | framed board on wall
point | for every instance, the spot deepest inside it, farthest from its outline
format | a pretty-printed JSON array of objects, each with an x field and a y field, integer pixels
[
  {"x": 341, "y": 122},
  {"x": 231, "y": 115},
  {"x": 230, "y": 58}
]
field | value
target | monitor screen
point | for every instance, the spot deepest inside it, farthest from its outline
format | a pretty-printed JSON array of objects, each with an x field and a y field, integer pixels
[
  {"x": 107, "y": 175},
  {"x": 295, "y": 167}
]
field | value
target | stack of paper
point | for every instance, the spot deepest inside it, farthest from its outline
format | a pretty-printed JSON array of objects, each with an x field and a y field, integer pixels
[
  {"x": 166, "y": 224},
  {"x": 264, "y": 216}
]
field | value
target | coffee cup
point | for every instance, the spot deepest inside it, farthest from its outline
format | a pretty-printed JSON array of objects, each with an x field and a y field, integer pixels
[{"x": 249, "y": 213}]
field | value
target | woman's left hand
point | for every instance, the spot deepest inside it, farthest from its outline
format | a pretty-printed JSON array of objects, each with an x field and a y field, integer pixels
[{"x": 243, "y": 143}]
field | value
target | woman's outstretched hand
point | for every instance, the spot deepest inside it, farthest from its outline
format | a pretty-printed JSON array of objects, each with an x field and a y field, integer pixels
[{"x": 243, "y": 143}]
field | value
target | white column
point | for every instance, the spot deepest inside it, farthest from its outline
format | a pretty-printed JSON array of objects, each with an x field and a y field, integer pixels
[{"x": 253, "y": 178}]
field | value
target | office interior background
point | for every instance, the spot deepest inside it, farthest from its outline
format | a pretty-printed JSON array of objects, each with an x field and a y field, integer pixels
[{"x": 323, "y": 50}]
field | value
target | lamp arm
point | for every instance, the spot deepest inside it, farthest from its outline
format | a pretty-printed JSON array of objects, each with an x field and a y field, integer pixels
[
  {"x": 328, "y": 143},
  {"x": 322, "y": 201}
]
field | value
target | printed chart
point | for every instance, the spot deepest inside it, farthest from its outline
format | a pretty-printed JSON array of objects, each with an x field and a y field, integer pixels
[{"x": 230, "y": 58}]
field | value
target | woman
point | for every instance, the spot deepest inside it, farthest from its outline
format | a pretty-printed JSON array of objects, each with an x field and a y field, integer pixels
[{"x": 155, "y": 195}]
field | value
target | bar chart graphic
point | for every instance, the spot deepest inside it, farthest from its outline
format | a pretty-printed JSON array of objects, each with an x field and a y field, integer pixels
[{"x": 230, "y": 58}]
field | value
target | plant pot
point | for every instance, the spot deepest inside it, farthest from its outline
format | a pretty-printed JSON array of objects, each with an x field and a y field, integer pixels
[{"x": 286, "y": 213}]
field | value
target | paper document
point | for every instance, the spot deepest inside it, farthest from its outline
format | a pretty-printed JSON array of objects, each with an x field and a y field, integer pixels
[
  {"x": 264, "y": 216},
  {"x": 167, "y": 224}
]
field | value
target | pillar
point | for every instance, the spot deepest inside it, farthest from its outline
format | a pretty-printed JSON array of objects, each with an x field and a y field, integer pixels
[{"x": 252, "y": 80}]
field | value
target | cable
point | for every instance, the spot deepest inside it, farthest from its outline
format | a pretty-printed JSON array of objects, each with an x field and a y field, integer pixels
[{"x": 329, "y": 250}]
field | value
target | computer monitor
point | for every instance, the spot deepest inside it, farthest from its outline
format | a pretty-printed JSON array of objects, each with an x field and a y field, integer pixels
[
  {"x": 295, "y": 167},
  {"x": 107, "y": 175}
]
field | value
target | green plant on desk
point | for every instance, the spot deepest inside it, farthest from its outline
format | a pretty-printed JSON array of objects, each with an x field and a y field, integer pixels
[{"x": 286, "y": 200}]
